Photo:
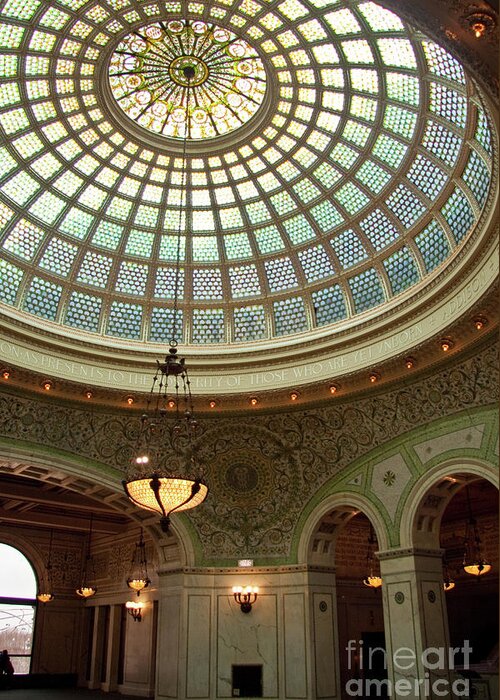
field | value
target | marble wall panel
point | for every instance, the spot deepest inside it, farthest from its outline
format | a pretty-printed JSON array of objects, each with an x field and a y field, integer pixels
[
  {"x": 324, "y": 645},
  {"x": 198, "y": 647},
  {"x": 168, "y": 646},
  {"x": 295, "y": 648},
  {"x": 247, "y": 639}
]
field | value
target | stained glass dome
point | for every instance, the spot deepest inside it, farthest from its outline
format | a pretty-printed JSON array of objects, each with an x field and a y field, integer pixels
[
  {"x": 148, "y": 81},
  {"x": 350, "y": 163}
]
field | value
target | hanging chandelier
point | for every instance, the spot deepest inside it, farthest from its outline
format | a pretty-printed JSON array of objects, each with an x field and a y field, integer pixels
[
  {"x": 372, "y": 580},
  {"x": 86, "y": 589},
  {"x": 138, "y": 578},
  {"x": 474, "y": 562},
  {"x": 156, "y": 481},
  {"x": 45, "y": 594},
  {"x": 448, "y": 583}
]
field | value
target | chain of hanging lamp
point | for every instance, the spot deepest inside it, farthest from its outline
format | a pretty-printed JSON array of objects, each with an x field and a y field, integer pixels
[
  {"x": 372, "y": 580},
  {"x": 163, "y": 488},
  {"x": 45, "y": 594},
  {"x": 138, "y": 578},
  {"x": 87, "y": 586},
  {"x": 474, "y": 563}
]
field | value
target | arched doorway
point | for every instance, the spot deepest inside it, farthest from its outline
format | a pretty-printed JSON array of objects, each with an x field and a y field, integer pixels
[
  {"x": 18, "y": 586},
  {"x": 472, "y": 604},
  {"x": 344, "y": 540},
  {"x": 442, "y": 505},
  {"x": 359, "y": 607}
]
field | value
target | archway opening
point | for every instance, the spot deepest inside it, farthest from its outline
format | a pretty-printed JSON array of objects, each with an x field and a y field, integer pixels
[
  {"x": 18, "y": 587},
  {"x": 346, "y": 541},
  {"x": 359, "y": 605},
  {"x": 473, "y": 603}
]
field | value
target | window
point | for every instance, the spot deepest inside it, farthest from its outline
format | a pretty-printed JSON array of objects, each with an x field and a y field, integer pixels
[{"x": 17, "y": 606}]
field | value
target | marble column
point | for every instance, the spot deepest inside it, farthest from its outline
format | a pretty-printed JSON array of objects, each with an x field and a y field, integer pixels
[
  {"x": 98, "y": 632},
  {"x": 324, "y": 642},
  {"x": 416, "y": 624},
  {"x": 113, "y": 650},
  {"x": 140, "y": 651}
]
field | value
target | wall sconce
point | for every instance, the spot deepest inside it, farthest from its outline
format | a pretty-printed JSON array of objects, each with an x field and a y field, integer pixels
[
  {"x": 245, "y": 597},
  {"x": 134, "y": 608},
  {"x": 446, "y": 344}
]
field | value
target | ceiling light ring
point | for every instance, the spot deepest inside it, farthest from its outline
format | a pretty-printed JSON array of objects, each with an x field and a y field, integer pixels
[{"x": 481, "y": 21}]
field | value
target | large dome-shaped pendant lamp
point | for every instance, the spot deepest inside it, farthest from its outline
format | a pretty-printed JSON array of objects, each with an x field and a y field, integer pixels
[{"x": 156, "y": 480}]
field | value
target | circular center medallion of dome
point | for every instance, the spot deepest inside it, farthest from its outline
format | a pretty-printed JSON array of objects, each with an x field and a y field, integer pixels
[{"x": 179, "y": 76}]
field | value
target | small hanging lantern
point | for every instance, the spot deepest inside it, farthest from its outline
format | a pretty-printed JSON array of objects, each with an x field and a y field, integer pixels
[
  {"x": 474, "y": 563},
  {"x": 373, "y": 580},
  {"x": 86, "y": 589},
  {"x": 45, "y": 594},
  {"x": 138, "y": 578},
  {"x": 448, "y": 582}
]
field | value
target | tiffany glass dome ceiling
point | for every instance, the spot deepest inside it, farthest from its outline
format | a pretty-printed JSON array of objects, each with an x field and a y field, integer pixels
[{"x": 337, "y": 160}]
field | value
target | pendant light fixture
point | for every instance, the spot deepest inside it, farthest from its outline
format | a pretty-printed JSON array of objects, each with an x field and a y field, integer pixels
[
  {"x": 373, "y": 580},
  {"x": 474, "y": 562},
  {"x": 138, "y": 578},
  {"x": 45, "y": 594},
  {"x": 448, "y": 582},
  {"x": 158, "y": 480},
  {"x": 86, "y": 589}
]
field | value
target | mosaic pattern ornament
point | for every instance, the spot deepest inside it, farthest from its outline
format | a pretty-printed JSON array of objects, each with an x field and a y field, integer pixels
[
  {"x": 264, "y": 470},
  {"x": 225, "y": 87}
]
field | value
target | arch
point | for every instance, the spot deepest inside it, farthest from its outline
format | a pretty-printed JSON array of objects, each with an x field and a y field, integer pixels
[
  {"x": 99, "y": 482},
  {"x": 22, "y": 550},
  {"x": 338, "y": 501},
  {"x": 18, "y": 608},
  {"x": 427, "y": 535},
  {"x": 28, "y": 550}
]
